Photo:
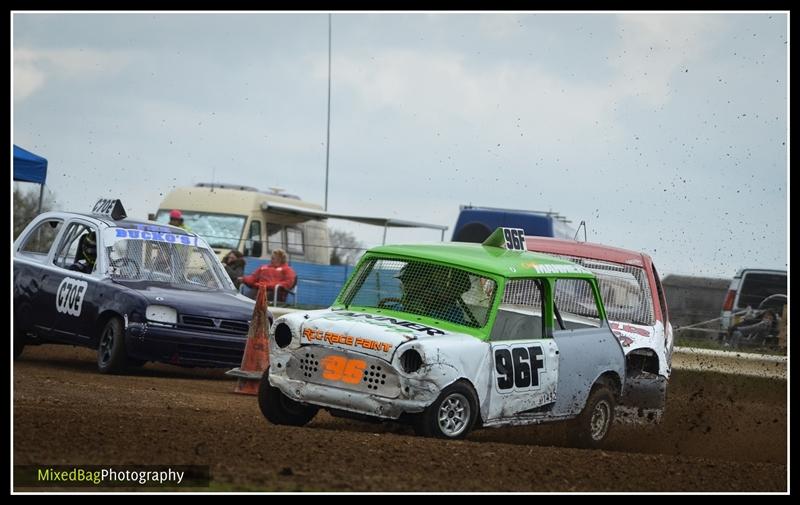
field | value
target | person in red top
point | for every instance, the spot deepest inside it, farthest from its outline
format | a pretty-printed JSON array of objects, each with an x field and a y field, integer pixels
[{"x": 277, "y": 273}]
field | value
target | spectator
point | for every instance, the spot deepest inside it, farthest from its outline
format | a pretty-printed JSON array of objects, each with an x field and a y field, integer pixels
[
  {"x": 234, "y": 265},
  {"x": 753, "y": 331},
  {"x": 87, "y": 254},
  {"x": 176, "y": 219},
  {"x": 277, "y": 274}
]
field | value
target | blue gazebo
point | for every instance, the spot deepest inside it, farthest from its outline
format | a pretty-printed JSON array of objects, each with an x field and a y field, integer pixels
[{"x": 29, "y": 167}]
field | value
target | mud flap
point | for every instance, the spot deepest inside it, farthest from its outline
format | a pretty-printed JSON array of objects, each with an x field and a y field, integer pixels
[{"x": 643, "y": 399}]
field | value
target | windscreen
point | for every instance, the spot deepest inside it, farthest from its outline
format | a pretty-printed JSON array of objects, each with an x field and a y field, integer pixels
[
  {"x": 179, "y": 261},
  {"x": 439, "y": 292}
]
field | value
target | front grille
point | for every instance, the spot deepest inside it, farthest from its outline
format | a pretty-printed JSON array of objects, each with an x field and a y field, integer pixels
[
  {"x": 309, "y": 364},
  {"x": 203, "y": 323},
  {"x": 235, "y": 326},
  {"x": 374, "y": 377},
  {"x": 197, "y": 321}
]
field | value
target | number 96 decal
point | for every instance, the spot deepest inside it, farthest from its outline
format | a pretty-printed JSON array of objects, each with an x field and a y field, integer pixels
[{"x": 518, "y": 368}]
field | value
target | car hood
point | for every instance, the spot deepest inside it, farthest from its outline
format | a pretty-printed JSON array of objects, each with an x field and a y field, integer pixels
[
  {"x": 219, "y": 304},
  {"x": 371, "y": 334}
]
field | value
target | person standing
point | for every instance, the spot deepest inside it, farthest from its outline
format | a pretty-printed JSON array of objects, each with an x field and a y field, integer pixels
[
  {"x": 176, "y": 219},
  {"x": 277, "y": 273},
  {"x": 234, "y": 265}
]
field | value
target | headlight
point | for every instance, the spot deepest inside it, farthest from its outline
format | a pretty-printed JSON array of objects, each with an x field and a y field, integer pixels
[
  {"x": 283, "y": 335},
  {"x": 161, "y": 314}
]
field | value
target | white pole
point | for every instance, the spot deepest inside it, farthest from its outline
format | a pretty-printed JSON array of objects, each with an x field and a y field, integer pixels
[{"x": 328, "y": 140}]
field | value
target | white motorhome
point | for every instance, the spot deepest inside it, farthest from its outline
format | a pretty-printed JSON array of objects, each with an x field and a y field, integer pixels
[{"x": 255, "y": 222}]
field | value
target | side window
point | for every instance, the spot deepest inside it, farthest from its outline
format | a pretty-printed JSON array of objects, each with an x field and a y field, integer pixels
[
  {"x": 574, "y": 305},
  {"x": 253, "y": 245},
  {"x": 661, "y": 300},
  {"x": 294, "y": 240},
  {"x": 41, "y": 238},
  {"x": 72, "y": 250},
  {"x": 275, "y": 237},
  {"x": 520, "y": 316}
]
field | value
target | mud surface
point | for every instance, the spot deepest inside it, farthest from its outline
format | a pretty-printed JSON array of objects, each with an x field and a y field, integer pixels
[{"x": 720, "y": 433}]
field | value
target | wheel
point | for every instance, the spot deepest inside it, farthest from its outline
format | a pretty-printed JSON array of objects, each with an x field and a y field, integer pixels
[
  {"x": 591, "y": 427},
  {"x": 452, "y": 415},
  {"x": 19, "y": 343},
  {"x": 280, "y": 409},
  {"x": 111, "y": 357},
  {"x": 21, "y": 323}
]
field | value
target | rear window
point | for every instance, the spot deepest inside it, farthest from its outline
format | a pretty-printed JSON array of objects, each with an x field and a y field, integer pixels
[
  {"x": 757, "y": 286},
  {"x": 625, "y": 290}
]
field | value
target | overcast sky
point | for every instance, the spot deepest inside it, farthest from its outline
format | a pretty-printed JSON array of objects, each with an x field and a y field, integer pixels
[{"x": 665, "y": 132}]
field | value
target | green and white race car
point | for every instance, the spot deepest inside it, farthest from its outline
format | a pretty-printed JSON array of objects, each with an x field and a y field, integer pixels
[{"x": 450, "y": 337}]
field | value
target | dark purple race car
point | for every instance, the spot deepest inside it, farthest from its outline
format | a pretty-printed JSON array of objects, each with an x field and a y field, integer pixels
[{"x": 136, "y": 291}]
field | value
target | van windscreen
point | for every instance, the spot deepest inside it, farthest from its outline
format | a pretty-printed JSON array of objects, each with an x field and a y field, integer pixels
[{"x": 221, "y": 231}]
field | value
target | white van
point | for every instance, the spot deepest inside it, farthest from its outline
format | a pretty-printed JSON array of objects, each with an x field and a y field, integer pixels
[
  {"x": 255, "y": 222},
  {"x": 753, "y": 290}
]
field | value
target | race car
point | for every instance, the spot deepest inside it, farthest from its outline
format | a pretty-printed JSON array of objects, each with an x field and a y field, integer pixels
[
  {"x": 449, "y": 337},
  {"x": 136, "y": 291},
  {"x": 636, "y": 307}
]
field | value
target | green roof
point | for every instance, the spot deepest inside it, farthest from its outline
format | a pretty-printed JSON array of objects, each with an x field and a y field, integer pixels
[{"x": 494, "y": 260}]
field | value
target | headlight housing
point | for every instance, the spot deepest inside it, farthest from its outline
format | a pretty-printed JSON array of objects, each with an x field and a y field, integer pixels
[
  {"x": 411, "y": 361},
  {"x": 283, "y": 335},
  {"x": 161, "y": 314}
]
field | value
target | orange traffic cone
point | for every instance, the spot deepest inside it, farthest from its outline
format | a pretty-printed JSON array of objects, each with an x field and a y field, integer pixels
[{"x": 256, "y": 353}]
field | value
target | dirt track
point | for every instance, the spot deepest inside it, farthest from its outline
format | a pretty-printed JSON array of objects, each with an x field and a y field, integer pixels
[{"x": 720, "y": 433}]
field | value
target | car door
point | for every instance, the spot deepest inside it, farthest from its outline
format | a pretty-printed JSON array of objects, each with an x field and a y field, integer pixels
[
  {"x": 525, "y": 359},
  {"x": 587, "y": 347},
  {"x": 32, "y": 270},
  {"x": 69, "y": 295}
]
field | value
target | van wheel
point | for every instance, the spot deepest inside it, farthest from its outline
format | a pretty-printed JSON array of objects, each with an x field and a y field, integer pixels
[{"x": 590, "y": 429}]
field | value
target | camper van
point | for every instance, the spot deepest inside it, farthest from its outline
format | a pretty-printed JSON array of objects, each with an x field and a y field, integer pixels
[{"x": 255, "y": 222}]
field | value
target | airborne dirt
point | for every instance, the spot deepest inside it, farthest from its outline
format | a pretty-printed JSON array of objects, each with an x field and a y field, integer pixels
[{"x": 720, "y": 433}]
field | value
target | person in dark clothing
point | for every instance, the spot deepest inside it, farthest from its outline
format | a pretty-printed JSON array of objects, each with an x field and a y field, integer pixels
[
  {"x": 753, "y": 331},
  {"x": 87, "y": 254},
  {"x": 234, "y": 264}
]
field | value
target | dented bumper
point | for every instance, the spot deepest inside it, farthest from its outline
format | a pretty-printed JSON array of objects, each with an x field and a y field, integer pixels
[{"x": 349, "y": 381}]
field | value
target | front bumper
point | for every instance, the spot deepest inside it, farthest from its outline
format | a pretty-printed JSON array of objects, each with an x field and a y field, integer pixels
[
  {"x": 300, "y": 375},
  {"x": 184, "y": 347}
]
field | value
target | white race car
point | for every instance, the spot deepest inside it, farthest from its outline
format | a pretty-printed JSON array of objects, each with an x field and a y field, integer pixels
[{"x": 449, "y": 337}]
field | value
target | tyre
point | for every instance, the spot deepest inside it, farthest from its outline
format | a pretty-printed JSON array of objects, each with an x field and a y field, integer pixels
[
  {"x": 22, "y": 322},
  {"x": 19, "y": 343},
  {"x": 452, "y": 415},
  {"x": 591, "y": 427},
  {"x": 278, "y": 408},
  {"x": 111, "y": 357}
]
